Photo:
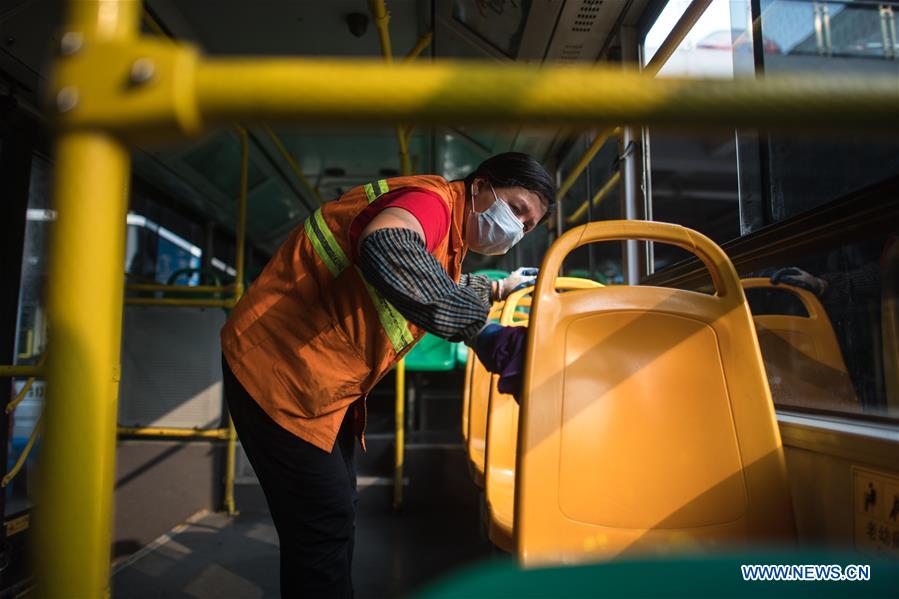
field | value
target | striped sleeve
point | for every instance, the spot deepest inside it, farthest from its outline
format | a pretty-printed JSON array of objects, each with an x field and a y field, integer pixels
[
  {"x": 397, "y": 264},
  {"x": 480, "y": 284}
]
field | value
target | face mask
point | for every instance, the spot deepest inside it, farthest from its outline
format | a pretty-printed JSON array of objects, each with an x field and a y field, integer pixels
[{"x": 493, "y": 231}]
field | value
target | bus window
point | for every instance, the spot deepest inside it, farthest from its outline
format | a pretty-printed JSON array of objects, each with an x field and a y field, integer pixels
[
  {"x": 692, "y": 179},
  {"x": 849, "y": 282},
  {"x": 843, "y": 39},
  {"x": 31, "y": 329}
]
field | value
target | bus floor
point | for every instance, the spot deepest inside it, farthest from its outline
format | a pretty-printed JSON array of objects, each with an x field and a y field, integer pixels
[{"x": 435, "y": 532}]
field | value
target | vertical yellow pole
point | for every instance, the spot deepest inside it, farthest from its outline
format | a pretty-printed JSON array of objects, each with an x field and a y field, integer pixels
[
  {"x": 400, "y": 433},
  {"x": 382, "y": 18},
  {"x": 229, "y": 469},
  {"x": 403, "y": 134},
  {"x": 239, "y": 267},
  {"x": 74, "y": 517},
  {"x": 85, "y": 309},
  {"x": 240, "y": 262}
]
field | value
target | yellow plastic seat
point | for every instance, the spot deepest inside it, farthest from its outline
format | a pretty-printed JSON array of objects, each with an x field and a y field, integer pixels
[
  {"x": 802, "y": 355},
  {"x": 647, "y": 423},
  {"x": 466, "y": 392},
  {"x": 502, "y": 430},
  {"x": 479, "y": 391}
]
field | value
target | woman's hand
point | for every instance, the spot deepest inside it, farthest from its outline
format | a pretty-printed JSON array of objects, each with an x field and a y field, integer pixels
[
  {"x": 799, "y": 278},
  {"x": 518, "y": 279}
]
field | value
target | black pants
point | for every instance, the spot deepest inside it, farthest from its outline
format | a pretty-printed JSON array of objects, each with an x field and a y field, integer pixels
[{"x": 311, "y": 495}]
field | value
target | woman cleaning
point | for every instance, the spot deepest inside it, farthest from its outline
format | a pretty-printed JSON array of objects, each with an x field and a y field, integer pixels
[{"x": 341, "y": 301}]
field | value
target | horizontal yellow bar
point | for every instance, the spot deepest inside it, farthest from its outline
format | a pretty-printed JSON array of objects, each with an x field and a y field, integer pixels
[
  {"x": 21, "y": 372},
  {"x": 180, "y": 433},
  {"x": 353, "y": 92},
  {"x": 195, "y": 303},
  {"x": 180, "y": 288}
]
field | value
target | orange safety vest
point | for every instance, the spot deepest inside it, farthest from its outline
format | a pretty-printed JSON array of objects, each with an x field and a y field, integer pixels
[{"x": 311, "y": 337}]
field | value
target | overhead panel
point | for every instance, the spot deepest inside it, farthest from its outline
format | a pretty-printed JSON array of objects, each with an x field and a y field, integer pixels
[
  {"x": 583, "y": 29},
  {"x": 515, "y": 30},
  {"x": 531, "y": 30}
]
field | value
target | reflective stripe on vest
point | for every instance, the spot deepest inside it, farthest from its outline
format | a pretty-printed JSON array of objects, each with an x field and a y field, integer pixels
[
  {"x": 330, "y": 252},
  {"x": 373, "y": 193},
  {"x": 324, "y": 243},
  {"x": 394, "y": 324}
]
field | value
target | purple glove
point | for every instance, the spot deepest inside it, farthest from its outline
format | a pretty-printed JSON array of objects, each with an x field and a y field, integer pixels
[{"x": 501, "y": 350}]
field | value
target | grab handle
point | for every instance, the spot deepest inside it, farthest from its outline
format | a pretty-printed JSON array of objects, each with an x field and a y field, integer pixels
[
  {"x": 562, "y": 283},
  {"x": 724, "y": 277},
  {"x": 809, "y": 300}
]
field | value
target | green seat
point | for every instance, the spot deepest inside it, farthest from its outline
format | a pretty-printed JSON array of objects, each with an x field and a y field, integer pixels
[
  {"x": 432, "y": 354},
  {"x": 700, "y": 576}
]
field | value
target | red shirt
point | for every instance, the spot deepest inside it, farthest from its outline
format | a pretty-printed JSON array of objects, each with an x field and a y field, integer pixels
[{"x": 426, "y": 206}]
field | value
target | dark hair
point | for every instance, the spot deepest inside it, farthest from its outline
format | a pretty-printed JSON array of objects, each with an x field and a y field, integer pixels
[{"x": 515, "y": 169}]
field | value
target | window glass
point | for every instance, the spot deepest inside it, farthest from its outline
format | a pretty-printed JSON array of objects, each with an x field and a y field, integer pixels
[
  {"x": 175, "y": 254},
  {"x": 692, "y": 178},
  {"x": 842, "y": 40},
  {"x": 828, "y": 330},
  {"x": 712, "y": 45},
  {"x": 31, "y": 331},
  {"x": 603, "y": 261},
  {"x": 154, "y": 253}
]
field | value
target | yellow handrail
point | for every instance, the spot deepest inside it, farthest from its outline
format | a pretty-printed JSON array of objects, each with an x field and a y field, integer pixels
[
  {"x": 598, "y": 142},
  {"x": 597, "y": 198},
  {"x": 25, "y": 452},
  {"x": 169, "y": 432},
  {"x": 403, "y": 143},
  {"x": 400, "y": 445},
  {"x": 230, "y": 463},
  {"x": 27, "y": 387},
  {"x": 177, "y": 301},
  {"x": 423, "y": 43},
  {"x": 228, "y": 434},
  {"x": 382, "y": 18},
  {"x": 238, "y": 293},
  {"x": 330, "y": 91},
  {"x": 382, "y": 21},
  {"x": 291, "y": 161},
  {"x": 241, "y": 241},
  {"x": 677, "y": 34},
  {"x": 11, "y": 406},
  {"x": 152, "y": 287},
  {"x": 21, "y": 371}
]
